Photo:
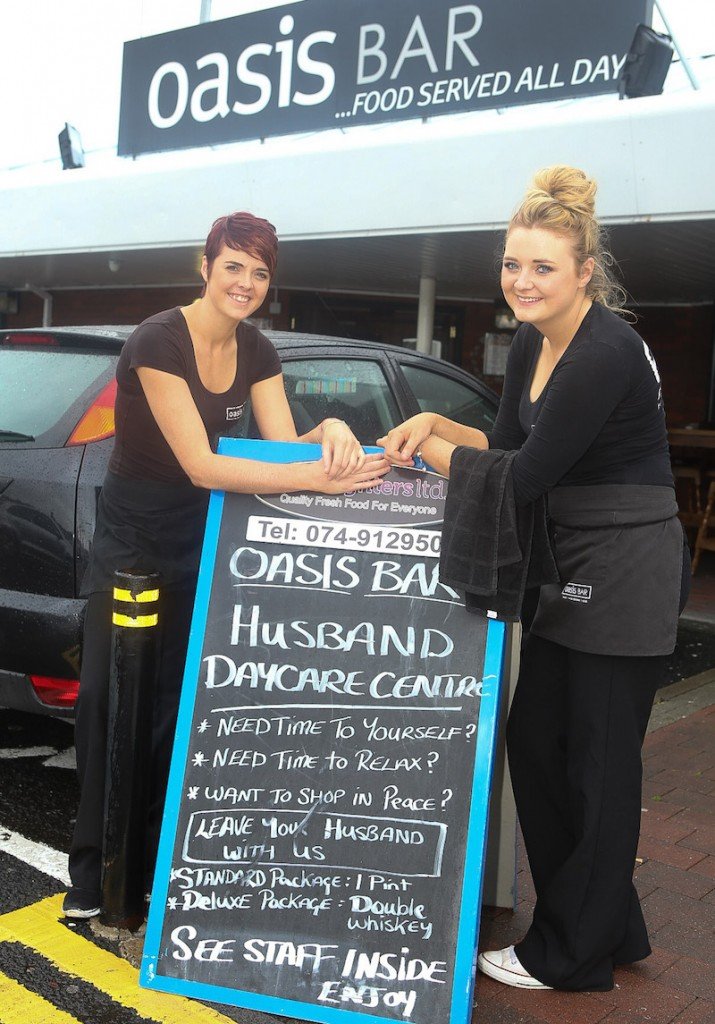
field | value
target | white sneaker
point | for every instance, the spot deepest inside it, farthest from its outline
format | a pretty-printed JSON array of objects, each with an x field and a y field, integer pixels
[{"x": 503, "y": 965}]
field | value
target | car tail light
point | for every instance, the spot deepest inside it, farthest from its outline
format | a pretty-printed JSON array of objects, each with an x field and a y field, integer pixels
[
  {"x": 98, "y": 422},
  {"x": 29, "y": 339},
  {"x": 57, "y": 693}
]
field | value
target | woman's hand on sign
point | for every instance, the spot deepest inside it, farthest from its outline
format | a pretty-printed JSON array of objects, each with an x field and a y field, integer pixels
[
  {"x": 342, "y": 452},
  {"x": 369, "y": 474},
  {"x": 403, "y": 441},
  {"x": 178, "y": 418}
]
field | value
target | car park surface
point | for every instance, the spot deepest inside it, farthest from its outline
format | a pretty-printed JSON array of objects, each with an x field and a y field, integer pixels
[{"x": 57, "y": 394}]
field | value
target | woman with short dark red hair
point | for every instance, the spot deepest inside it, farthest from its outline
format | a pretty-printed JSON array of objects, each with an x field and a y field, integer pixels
[
  {"x": 185, "y": 377},
  {"x": 254, "y": 235}
]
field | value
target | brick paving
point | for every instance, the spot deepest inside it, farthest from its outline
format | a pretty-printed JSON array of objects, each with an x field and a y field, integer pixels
[{"x": 675, "y": 878}]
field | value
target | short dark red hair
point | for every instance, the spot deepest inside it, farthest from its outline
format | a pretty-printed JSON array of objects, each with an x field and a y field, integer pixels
[{"x": 253, "y": 235}]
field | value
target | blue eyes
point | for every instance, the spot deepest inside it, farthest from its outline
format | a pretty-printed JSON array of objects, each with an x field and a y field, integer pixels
[{"x": 541, "y": 268}]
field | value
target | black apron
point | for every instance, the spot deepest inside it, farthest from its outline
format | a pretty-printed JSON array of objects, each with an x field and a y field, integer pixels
[
  {"x": 146, "y": 526},
  {"x": 619, "y": 552}
]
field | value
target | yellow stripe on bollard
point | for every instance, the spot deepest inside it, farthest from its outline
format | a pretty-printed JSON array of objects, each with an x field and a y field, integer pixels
[
  {"x": 39, "y": 928},
  {"x": 142, "y": 598},
  {"x": 139, "y": 622},
  {"x": 20, "y": 1006}
]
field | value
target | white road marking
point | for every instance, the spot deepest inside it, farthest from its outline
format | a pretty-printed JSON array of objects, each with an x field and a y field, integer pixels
[
  {"x": 10, "y": 753},
  {"x": 54, "y": 758},
  {"x": 64, "y": 759},
  {"x": 37, "y": 855}
]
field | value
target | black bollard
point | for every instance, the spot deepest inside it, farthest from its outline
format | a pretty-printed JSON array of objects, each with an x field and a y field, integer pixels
[{"x": 134, "y": 662}]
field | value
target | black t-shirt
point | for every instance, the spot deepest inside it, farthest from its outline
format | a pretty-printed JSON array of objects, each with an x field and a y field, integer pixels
[
  {"x": 598, "y": 420},
  {"x": 163, "y": 342}
]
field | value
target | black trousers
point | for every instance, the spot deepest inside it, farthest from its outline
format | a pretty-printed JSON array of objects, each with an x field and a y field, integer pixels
[
  {"x": 574, "y": 739},
  {"x": 85, "y": 857}
]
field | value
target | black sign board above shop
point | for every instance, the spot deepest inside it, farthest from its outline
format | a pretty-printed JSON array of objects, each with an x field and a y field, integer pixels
[
  {"x": 324, "y": 833},
  {"x": 333, "y": 63}
]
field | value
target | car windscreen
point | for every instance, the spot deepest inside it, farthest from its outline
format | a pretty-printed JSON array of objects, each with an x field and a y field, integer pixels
[{"x": 39, "y": 386}]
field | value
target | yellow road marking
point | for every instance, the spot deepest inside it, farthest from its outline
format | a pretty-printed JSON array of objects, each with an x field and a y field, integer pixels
[
  {"x": 20, "y": 1006},
  {"x": 37, "y": 926}
]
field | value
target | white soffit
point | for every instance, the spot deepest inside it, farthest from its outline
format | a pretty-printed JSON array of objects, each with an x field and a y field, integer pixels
[{"x": 369, "y": 209}]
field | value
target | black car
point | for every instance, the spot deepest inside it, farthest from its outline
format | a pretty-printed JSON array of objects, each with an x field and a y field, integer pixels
[{"x": 57, "y": 394}]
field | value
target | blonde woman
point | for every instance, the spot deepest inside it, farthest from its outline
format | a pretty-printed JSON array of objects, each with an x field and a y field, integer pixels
[{"x": 582, "y": 407}]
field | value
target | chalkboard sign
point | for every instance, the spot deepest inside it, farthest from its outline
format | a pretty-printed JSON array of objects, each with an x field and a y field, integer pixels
[{"x": 324, "y": 833}]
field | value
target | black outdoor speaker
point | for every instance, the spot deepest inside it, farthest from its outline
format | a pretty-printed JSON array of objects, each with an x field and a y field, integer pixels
[
  {"x": 70, "y": 148},
  {"x": 647, "y": 63}
]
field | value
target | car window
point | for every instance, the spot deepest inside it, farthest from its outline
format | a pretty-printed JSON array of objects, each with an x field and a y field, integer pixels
[
  {"x": 354, "y": 390},
  {"x": 38, "y": 386},
  {"x": 436, "y": 392}
]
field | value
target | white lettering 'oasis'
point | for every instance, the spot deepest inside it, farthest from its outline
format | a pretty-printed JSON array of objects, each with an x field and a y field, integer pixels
[
  {"x": 210, "y": 97},
  {"x": 309, "y": 568}
]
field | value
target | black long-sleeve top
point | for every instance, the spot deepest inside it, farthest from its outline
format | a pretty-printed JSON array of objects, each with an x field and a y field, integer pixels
[{"x": 598, "y": 420}]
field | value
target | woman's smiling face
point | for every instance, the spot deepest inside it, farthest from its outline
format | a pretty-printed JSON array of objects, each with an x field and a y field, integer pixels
[
  {"x": 541, "y": 279},
  {"x": 237, "y": 283}
]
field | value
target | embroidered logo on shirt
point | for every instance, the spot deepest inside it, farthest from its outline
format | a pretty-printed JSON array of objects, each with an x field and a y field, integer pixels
[
  {"x": 580, "y": 592},
  {"x": 235, "y": 413}
]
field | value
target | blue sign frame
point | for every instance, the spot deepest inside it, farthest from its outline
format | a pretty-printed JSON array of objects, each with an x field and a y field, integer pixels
[{"x": 471, "y": 895}]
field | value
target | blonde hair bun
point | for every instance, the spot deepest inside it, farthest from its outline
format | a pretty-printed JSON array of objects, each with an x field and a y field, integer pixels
[
  {"x": 570, "y": 187},
  {"x": 562, "y": 199}
]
